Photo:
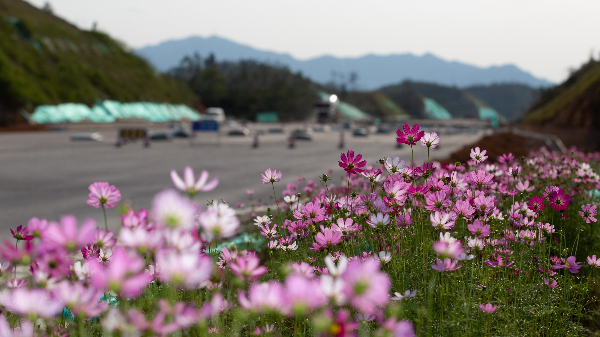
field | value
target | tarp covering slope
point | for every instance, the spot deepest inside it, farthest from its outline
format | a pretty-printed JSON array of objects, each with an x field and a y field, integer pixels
[
  {"x": 434, "y": 110},
  {"x": 110, "y": 111},
  {"x": 347, "y": 110}
]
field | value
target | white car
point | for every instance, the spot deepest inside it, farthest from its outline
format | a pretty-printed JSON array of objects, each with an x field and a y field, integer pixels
[{"x": 214, "y": 114}]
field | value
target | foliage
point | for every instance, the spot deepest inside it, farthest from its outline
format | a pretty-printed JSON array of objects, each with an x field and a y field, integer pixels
[{"x": 246, "y": 88}]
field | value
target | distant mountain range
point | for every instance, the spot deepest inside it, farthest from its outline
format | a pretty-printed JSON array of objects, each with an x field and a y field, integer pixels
[{"x": 374, "y": 71}]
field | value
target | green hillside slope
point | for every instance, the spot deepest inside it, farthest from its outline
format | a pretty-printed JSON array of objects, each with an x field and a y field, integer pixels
[{"x": 46, "y": 60}]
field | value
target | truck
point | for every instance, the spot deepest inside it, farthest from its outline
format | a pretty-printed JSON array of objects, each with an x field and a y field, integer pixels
[
  {"x": 326, "y": 110},
  {"x": 214, "y": 114}
]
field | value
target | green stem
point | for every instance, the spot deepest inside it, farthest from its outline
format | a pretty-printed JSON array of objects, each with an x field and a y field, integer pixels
[
  {"x": 105, "y": 222},
  {"x": 275, "y": 195}
]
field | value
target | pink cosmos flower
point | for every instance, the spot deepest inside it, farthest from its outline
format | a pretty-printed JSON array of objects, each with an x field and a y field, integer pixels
[
  {"x": 26, "y": 329},
  {"x": 347, "y": 226},
  {"x": 593, "y": 261},
  {"x": 463, "y": 209},
  {"x": 37, "y": 227},
  {"x": 506, "y": 158},
  {"x": 124, "y": 274},
  {"x": 170, "y": 209},
  {"x": 188, "y": 183},
  {"x": 83, "y": 302},
  {"x": 271, "y": 176},
  {"x": 409, "y": 137},
  {"x": 588, "y": 212},
  {"x": 131, "y": 219},
  {"x": 342, "y": 325},
  {"x": 66, "y": 236},
  {"x": 23, "y": 233},
  {"x": 352, "y": 164},
  {"x": 105, "y": 239},
  {"x": 488, "y": 308},
  {"x": 247, "y": 268},
  {"x": 186, "y": 270},
  {"x": 431, "y": 140},
  {"x": 15, "y": 283},
  {"x": 478, "y": 229},
  {"x": 478, "y": 155},
  {"x": 311, "y": 212},
  {"x": 436, "y": 201},
  {"x": 32, "y": 303},
  {"x": 447, "y": 265},
  {"x": 445, "y": 249},
  {"x": 303, "y": 294},
  {"x": 264, "y": 297},
  {"x": 218, "y": 222},
  {"x": 326, "y": 239},
  {"x": 524, "y": 186},
  {"x": 366, "y": 287},
  {"x": 485, "y": 204},
  {"x": 551, "y": 283},
  {"x": 480, "y": 178},
  {"x": 571, "y": 264},
  {"x": 304, "y": 269},
  {"x": 102, "y": 194}
]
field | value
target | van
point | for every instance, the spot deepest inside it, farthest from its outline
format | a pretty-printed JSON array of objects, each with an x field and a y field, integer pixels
[{"x": 214, "y": 114}]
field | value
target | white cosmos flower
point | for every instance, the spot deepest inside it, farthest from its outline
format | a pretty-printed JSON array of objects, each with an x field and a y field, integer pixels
[
  {"x": 338, "y": 270},
  {"x": 384, "y": 257}
]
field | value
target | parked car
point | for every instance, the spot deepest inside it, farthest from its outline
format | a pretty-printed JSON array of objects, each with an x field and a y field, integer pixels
[
  {"x": 302, "y": 134},
  {"x": 239, "y": 133},
  {"x": 360, "y": 132},
  {"x": 95, "y": 136}
]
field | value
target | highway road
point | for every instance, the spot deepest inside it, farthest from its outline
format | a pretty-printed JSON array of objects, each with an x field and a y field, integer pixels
[{"x": 46, "y": 175}]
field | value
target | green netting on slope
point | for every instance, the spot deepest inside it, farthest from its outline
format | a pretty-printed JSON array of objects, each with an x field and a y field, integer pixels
[
  {"x": 110, "y": 111},
  {"x": 347, "y": 110},
  {"x": 488, "y": 113},
  {"x": 434, "y": 110}
]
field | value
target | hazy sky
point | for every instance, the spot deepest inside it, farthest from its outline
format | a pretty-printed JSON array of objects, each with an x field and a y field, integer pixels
[{"x": 544, "y": 37}]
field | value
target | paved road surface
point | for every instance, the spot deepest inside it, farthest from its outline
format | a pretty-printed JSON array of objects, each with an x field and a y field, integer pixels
[{"x": 45, "y": 174}]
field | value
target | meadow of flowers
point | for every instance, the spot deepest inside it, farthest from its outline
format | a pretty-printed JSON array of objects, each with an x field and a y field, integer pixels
[{"x": 391, "y": 249}]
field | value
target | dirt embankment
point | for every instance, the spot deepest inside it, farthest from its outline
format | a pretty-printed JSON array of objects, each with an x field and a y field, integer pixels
[{"x": 497, "y": 145}]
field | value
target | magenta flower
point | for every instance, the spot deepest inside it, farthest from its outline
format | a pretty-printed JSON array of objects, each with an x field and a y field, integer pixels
[
  {"x": 536, "y": 204},
  {"x": 102, "y": 194},
  {"x": 342, "y": 325},
  {"x": 478, "y": 229},
  {"x": 311, "y": 212},
  {"x": 271, "y": 176},
  {"x": 588, "y": 212},
  {"x": 66, "y": 236},
  {"x": 326, "y": 239},
  {"x": 571, "y": 264},
  {"x": 247, "y": 268},
  {"x": 488, "y": 308},
  {"x": 447, "y": 265},
  {"x": 559, "y": 200},
  {"x": 188, "y": 183},
  {"x": 551, "y": 283},
  {"x": 593, "y": 261},
  {"x": 480, "y": 178},
  {"x": 105, "y": 239},
  {"x": 409, "y": 137},
  {"x": 478, "y": 155},
  {"x": 23, "y": 233},
  {"x": 441, "y": 220},
  {"x": 186, "y": 270},
  {"x": 524, "y": 187},
  {"x": 352, "y": 164},
  {"x": 124, "y": 274}
]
